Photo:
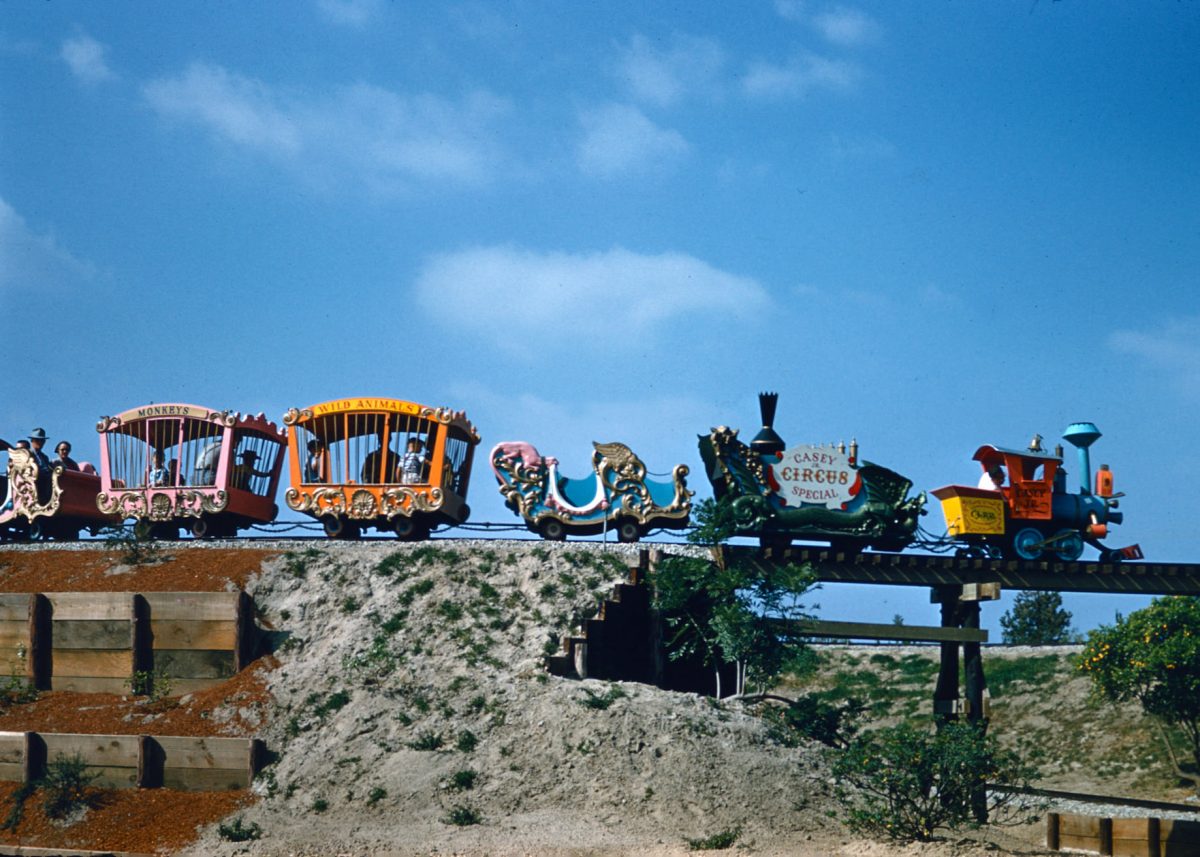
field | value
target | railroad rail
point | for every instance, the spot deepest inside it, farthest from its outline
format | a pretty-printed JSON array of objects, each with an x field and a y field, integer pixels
[
  {"x": 909, "y": 569},
  {"x": 1105, "y": 800}
]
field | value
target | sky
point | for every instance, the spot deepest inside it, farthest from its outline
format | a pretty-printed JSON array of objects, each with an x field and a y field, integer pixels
[{"x": 927, "y": 226}]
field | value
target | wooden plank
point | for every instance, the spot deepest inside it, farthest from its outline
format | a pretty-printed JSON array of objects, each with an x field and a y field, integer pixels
[
  {"x": 194, "y": 663},
  {"x": 91, "y": 605},
  {"x": 1080, "y": 825},
  {"x": 116, "y": 751},
  {"x": 11, "y": 773},
  {"x": 91, "y": 634},
  {"x": 89, "y": 684},
  {"x": 1075, "y": 842},
  {"x": 205, "y": 780},
  {"x": 14, "y": 606},
  {"x": 184, "y": 634},
  {"x": 181, "y": 686},
  {"x": 1130, "y": 828},
  {"x": 12, "y": 747},
  {"x": 199, "y": 606},
  {"x": 873, "y": 631},
  {"x": 99, "y": 663},
  {"x": 205, "y": 753}
]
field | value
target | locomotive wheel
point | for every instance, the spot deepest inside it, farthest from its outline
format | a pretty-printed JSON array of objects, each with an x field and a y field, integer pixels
[
  {"x": 552, "y": 530},
  {"x": 628, "y": 531},
  {"x": 1027, "y": 543},
  {"x": 1068, "y": 545}
]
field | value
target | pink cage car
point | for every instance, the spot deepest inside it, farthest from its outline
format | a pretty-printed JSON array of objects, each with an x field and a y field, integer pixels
[{"x": 174, "y": 466}]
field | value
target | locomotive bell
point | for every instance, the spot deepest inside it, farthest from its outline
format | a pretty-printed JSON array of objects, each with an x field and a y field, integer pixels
[
  {"x": 1081, "y": 436},
  {"x": 767, "y": 442}
]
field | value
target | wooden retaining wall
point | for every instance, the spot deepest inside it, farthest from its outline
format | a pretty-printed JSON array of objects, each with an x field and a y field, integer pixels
[
  {"x": 1123, "y": 837},
  {"x": 137, "y": 761},
  {"x": 94, "y": 642}
]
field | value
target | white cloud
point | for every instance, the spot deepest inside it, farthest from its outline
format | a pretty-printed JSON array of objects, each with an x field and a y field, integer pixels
[
  {"x": 350, "y": 13},
  {"x": 523, "y": 300},
  {"x": 1174, "y": 348},
  {"x": 33, "y": 263},
  {"x": 85, "y": 57},
  {"x": 664, "y": 76},
  {"x": 618, "y": 138},
  {"x": 233, "y": 108},
  {"x": 384, "y": 138},
  {"x": 846, "y": 27},
  {"x": 790, "y": 10},
  {"x": 801, "y": 75}
]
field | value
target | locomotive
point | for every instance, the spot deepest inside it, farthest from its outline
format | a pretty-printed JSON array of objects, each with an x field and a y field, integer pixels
[{"x": 404, "y": 468}]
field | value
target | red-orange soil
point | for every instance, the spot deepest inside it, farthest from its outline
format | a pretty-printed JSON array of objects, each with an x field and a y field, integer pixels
[
  {"x": 134, "y": 820},
  {"x": 142, "y": 821},
  {"x": 104, "y": 570}
]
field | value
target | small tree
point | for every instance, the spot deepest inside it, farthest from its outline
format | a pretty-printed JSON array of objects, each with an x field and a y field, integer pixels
[
  {"x": 727, "y": 612},
  {"x": 1153, "y": 656},
  {"x": 903, "y": 783},
  {"x": 1037, "y": 619}
]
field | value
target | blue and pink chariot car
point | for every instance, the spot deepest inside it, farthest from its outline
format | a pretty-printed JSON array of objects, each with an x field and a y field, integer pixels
[{"x": 616, "y": 496}]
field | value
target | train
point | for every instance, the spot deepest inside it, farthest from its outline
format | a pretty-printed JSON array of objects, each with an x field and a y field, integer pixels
[{"x": 376, "y": 463}]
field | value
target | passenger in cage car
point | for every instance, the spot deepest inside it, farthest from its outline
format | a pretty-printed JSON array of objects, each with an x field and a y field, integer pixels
[
  {"x": 411, "y": 463},
  {"x": 206, "y": 464},
  {"x": 245, "y": 469},
  {"x": 160, "y": 475},
  {"x": 64, "y": 459},
  {"x": 377, "y": 460},
  {"x": 314, "y": 465}
]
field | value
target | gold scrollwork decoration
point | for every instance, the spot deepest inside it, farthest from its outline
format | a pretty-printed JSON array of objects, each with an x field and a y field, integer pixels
[
  {"x": 321, "y": 501},
  {"x": 23, "y": 485},
  {"x": 107, "y": 424},
  {"x": 406, "y": 501},
  {"x": 362, "y": 504},
  {"x": 296, "y": 415}
]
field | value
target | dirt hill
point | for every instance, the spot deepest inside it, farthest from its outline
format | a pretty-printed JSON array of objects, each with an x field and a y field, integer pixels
[{"x": 410, "y": 712}]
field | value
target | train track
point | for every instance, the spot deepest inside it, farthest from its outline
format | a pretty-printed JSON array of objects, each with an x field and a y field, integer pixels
[{"x": 1099, "y": 800}]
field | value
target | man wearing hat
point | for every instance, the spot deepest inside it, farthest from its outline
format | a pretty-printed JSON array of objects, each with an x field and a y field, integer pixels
[
  {"x": 240, "y": 477},
  {"x": 37, "y": 439}
]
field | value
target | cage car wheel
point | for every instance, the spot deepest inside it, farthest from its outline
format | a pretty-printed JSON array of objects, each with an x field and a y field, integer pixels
[
  {"x": 628, "y": 531},
  {"x": 1068, "y": 545},
  {"x": 336, "y": 527},
  {"x": 1027, "y": 544},
  {"x": 202, "y": 528},
  {"x": 552, "y": 530},
  {"x": 409, "y": 530},
  {"x": 39, "y": 531}
]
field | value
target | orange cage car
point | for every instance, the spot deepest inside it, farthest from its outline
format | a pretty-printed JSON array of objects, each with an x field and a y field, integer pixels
[{"x": 380, "y": 463}]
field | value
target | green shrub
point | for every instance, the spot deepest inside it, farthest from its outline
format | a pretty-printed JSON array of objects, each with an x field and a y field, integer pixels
[
  {"x": 716, "y": 842},
  {"x": 463, "y": 816},
  {"x": 320, "y": 805},
  {"x": 463, "y": 780},
  {"x": 467, "y": 741},
  {"x": 601, "y": 701},
  {"x": 427, "y": 741},
  {"x": 390, "y": 564},
  {"x": 376, "y": 795},
  {"x": 818, "y": 719},
  {"x": 65, "y": 785},
  {"x": 904, "y": 784},
  {"x": 238, "y": 831}
]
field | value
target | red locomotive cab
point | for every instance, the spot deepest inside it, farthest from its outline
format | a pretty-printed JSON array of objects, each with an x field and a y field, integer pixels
[{"x": 1028, "y": 483}]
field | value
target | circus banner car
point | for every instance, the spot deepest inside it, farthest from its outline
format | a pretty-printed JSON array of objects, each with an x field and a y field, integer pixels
[
  {"x": 380, "y": 463},
  {"x": 179, "y": 466}
]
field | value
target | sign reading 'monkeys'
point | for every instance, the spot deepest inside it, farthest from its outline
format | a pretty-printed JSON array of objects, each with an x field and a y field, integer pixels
[{"x": 816, "y": 474}]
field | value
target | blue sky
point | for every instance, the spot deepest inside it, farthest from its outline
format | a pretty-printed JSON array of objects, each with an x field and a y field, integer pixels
[{"x": 928, "y": 226}]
